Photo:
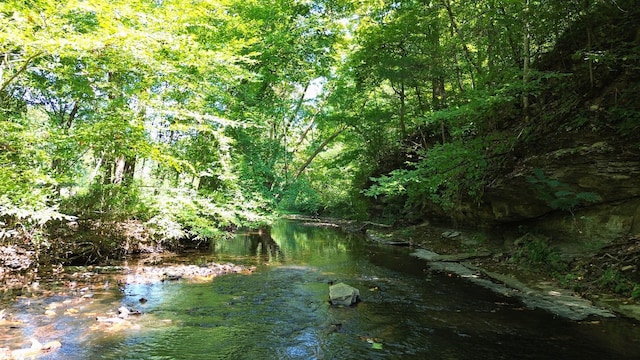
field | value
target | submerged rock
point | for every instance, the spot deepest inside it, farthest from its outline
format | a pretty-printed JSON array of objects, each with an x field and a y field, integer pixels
[
  {"x": 124, "y": 312},
  {"x": 35, "y": 350},
  {"x": 343, "y": 294}
]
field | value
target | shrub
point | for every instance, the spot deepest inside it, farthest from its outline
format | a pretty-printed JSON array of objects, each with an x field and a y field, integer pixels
[
  {"x": 445, "y": 175},
  {"x": 110, "y": 202},
  {"x": 614, "y": 280}
]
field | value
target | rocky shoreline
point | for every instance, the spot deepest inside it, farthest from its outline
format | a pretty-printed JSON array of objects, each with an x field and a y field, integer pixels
[
  {"x": 558, "y": 301},
  {"x": 149, "y": 269},
  {"x": 490, "y": 265}
]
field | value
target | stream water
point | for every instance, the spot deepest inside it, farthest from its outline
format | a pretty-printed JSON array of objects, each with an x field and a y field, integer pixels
[{"x": 281, "y": 311}]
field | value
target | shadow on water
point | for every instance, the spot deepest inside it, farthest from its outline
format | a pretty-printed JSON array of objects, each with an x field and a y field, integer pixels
[{"x": 281, "y": 311}]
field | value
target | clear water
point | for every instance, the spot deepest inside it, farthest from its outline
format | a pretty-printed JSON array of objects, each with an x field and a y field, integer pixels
[{"x": 281, "y": 311}]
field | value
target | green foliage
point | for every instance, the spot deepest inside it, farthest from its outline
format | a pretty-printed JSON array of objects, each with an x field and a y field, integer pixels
[
  {"x": 27, "y": 190},
  {"x": 301, "y": 198},
  {"x": 628, "y": 120},
  {"x": 610, "y": 279},
  {"x": 185, "y": 215},
  {"x": 144, "y": 83},
  {"x": 23, "y": 156},
  {"x": 445, "y": 175},
  {"x": 293, "y": 104},
  {"x": 82, "y": 20},
  {"x": 19, "y": 223},
  {"x": 614, "y": 280},
  {"x": 558, "y": 195},
  {"x": 572, "y": 281},
  {"x": 110, "y": 202},
  {"x": 538, "y": 254}
]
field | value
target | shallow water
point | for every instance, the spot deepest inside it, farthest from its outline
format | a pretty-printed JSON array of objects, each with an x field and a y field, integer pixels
[{"x": 281, "y": 311}]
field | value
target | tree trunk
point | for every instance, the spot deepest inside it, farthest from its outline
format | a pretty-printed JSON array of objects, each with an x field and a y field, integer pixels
[
  {"x": 123, "y": 170},
  {"x": 96, "y": 169},
  {"x": 456, "y": 30},
  {"x": 108, "y": 166},
  {"x": 129, "y": 169},
  {"x": 319, "y": 150},
  {"x": 526, "y": 60},
  {"x": 421, "y": 105},
  {"x": 305, "y": 133},
  {"x": 118, "y": 171},
  {"x": 491, "y": 48},
  {"x": 439, "y": 98},
  {"x": 20, "y": 70},
  {"x": 513, "y": 43},
  {"x": 403, "y": 111},
  {"x": 589, "y": 44},
  {"x": 458, "y": 73}
]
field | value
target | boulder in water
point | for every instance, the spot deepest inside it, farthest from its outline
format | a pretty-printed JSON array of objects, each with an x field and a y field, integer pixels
[{"x": 343, "y": 294}]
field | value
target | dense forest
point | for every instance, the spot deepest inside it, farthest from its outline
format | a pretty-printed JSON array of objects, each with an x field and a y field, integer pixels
[{"x": 184, "y": 119}]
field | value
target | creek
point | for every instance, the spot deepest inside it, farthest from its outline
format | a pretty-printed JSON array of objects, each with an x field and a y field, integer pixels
[{"x": 281, "y": 310}]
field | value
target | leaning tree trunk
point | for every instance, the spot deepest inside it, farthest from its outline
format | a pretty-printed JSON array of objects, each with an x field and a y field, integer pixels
[{"x": 319, "y": 149}]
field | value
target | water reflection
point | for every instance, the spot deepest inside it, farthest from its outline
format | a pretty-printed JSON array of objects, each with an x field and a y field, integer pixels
[{"x": 285, "y": 243}]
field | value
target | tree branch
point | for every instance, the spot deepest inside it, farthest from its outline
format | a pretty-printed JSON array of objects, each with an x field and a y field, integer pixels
[
  {"x": 306, "y": 131},
  {"x": 454, "y": 26},
  {"x": 19, "y": 71}
]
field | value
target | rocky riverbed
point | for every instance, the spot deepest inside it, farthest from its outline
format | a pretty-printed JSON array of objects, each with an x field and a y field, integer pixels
[{"x": 75, "y": 287}]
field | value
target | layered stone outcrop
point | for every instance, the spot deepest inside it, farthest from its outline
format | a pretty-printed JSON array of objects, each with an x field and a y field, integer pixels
[{"x": 596, "y": 193}]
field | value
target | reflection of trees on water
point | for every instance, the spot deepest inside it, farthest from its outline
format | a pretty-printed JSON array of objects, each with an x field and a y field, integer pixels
[{"x": 262, "y": 244}]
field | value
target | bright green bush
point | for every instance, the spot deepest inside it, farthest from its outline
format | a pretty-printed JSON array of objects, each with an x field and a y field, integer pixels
[
  {"x": 301, "y": 198},
  {"x": 186, "y": 215},
  {"x": 110, "y": 202},
  {"x": 444, "y": 175}
]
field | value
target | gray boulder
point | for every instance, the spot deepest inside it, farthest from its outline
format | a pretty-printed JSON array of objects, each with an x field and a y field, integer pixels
[{"x": 343, "y": 294}]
